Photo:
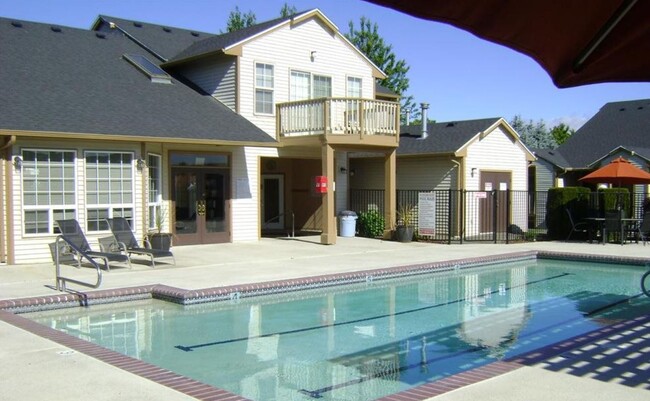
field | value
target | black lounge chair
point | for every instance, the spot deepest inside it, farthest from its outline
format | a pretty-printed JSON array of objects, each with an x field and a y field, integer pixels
[
  {"x": 128, "y": 243},
  {"x": 72, "y": 234}
]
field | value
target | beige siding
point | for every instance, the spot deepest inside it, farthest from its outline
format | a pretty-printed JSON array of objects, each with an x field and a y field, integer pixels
[
  {"x": 498, "y": 151},
  {"x": 245, "y": 192},
  {"x": 216, "y": 76},
  {"x": 422, "y": 173},
  {"x": 30, "y": 248},
  {"x": 289, "y": 48}
]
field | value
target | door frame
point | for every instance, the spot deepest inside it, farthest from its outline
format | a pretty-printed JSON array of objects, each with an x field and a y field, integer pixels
[{"x": 281, "y": 201}]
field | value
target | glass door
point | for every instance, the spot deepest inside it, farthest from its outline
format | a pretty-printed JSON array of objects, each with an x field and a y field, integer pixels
[{"x": 202, "y": 205}]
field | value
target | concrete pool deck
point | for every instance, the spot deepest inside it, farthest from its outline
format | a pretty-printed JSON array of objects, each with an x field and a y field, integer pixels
[{"x": 37, "y": 368}]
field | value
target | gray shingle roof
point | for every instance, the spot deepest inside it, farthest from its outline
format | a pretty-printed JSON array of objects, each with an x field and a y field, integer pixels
[
  {"x": 218, "y": 43},
  {"x": 164, "y": 40},
  {"x": 552, "y": 156},
  {"x": 74, "y": 81},
  {"x": 443, "y": 138},
  {"x": 616, "y": 124}
]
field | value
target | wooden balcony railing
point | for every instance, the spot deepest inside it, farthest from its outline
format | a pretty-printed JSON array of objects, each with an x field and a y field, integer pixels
[{"x": 338, "y": 116}]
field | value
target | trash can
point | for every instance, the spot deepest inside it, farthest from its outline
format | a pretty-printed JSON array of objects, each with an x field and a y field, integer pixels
[{"x": 348, "y": 223}]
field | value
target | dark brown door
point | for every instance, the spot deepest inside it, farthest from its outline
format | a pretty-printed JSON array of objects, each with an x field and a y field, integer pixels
[
  {"x": 492, "y": 208},
  {"x": 201, "y": 205}
]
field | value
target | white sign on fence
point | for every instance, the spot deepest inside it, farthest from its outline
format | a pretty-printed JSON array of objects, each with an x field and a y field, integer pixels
[{"x": 426, "y": 213}]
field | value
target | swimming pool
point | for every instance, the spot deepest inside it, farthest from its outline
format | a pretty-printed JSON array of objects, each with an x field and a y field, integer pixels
[{"x": 366, "y": 340}]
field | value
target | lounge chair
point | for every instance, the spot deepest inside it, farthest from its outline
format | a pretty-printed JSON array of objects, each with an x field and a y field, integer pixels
[
  {"x": 128, "y": 243},
  {"x": 644, "y": 227},
  {"x": 72, "y": 234}
]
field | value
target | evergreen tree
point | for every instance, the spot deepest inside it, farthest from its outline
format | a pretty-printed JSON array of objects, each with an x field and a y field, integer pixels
[
  {"x": 370, "y": 43},
  {"x": 533, "y": 135},
  {"x": 287, "y": 10},
  {"x": 238, "y": 20},
  {"x": 561, "y": 133}
]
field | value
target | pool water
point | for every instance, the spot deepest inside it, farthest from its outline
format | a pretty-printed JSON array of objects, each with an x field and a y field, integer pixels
[{"x": 365, "y": 341}]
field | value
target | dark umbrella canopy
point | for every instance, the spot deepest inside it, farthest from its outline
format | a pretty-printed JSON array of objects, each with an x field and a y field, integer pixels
[
  {"x": 577, "y": 42},
  {"x": 618, "y": 172}
]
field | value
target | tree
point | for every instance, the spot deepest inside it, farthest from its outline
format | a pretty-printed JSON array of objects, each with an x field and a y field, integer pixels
[
  {"x": 238, "y": 20},
  {"x": 561, "y": 133},
  {"x": 534, "y": 135},
  {"x": 370, "y": 43},
  {"x": 288, "y": 11}
]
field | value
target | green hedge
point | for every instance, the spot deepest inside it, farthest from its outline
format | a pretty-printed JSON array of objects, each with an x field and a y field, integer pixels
[
  {"x": 611, "y": 199},
  {"x": 576, "y": 199}
]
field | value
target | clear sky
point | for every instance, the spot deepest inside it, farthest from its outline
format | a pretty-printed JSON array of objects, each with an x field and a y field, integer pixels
[{"x": 461, "y": 76}]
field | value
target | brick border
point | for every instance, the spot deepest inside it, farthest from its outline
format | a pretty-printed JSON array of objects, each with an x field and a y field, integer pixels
[{"x": 204, "y": 392}]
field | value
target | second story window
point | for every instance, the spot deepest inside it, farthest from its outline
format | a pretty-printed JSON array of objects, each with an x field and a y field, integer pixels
[
  {"x": 322, "y": 86},
  {"x": 264, "y": 88},
  {"x": 354, "y": 87},
  {"x": 304, "y": 85}
]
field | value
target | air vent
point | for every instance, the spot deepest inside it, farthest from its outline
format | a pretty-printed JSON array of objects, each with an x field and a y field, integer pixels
[
  {"x": 195, "y": 34},
  {"x": 55, "y": 29},
  {"x": 167, "y": 29},
  {"x": 16, "y": 24},
  {"x": 137, "y": 25},
  {"x": 100, "y": 35},
  {"x": 621, "y": 109},
  {"x": 451, "y": 124}
]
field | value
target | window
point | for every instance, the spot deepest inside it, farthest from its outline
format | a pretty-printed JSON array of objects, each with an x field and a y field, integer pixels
[
  {"x": 155, "y": 188},
  {"x": 49, "y": 191},
  {"x": 304, "y": 86},
  {"x": 322, "y": 86},
  {"x": 264, "y": 88},
  {"x": 354, "y": 87},
  {"x": 109, "y": 188}
]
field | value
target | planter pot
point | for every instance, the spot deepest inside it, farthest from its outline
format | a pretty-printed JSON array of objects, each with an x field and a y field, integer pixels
[
  {"x": 404, "y": 234},
  {"x": 160, "y": 241}
]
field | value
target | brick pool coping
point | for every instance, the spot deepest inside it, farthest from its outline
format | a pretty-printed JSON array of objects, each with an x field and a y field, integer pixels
[{"x": 201, "y": 391}]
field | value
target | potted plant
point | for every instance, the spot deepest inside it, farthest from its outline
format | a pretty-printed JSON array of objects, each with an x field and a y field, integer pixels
[
  {"x": 159, "y": 239},
  {"x": 405, "y": 229}
]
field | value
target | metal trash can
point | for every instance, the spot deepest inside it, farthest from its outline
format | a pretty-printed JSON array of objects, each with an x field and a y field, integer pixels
[{"x": 347, "y": 223}]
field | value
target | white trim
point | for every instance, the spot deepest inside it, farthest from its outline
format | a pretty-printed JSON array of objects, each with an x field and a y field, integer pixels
[{"x": 270, "y": 89}]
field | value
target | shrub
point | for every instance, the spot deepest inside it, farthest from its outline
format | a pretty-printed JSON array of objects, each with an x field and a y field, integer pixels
[
  {"x": 576, "y": 199},
  {"x": 371, "y": 224}
]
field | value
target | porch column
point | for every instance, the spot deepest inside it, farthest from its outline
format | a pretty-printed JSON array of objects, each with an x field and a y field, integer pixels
[
  {"x": 328, "y": 237},
  {"x": 390, "y": 189}
]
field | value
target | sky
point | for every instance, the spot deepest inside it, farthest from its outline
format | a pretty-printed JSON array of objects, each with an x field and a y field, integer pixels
[{"x": 461, "y": 76}]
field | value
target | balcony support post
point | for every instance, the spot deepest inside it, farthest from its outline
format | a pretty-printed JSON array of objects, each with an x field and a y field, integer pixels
[
  {"x": 390, "y": 192},
  {"x": 328, "y": 237}
]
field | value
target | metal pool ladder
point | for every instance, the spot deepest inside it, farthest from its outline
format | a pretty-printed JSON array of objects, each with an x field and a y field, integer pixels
[
  {"x": 61, "y": 280},
  {"x": 645, "y": 276}
]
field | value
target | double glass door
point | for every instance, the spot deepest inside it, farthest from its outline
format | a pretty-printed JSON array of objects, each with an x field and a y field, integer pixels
[{"x": 201, "y": 204}]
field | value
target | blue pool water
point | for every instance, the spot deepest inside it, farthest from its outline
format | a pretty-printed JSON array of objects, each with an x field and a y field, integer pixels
[{"x": 361, "y": 342}]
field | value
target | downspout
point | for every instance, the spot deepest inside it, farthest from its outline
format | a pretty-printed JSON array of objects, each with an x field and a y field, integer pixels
[{"x": 6, "y": 209}]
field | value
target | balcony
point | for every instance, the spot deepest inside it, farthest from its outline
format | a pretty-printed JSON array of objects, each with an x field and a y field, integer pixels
[{"x": 338, "y": 121}]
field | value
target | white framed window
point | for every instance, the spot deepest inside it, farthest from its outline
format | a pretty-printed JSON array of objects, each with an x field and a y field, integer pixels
[
  {"x": 109, "y": 188},
  {"x": 154, "y": 165},
  {"x": 354, "y": 87},
  {"x": 264, "y": 86},
  {"x": 49, "y": 190},
  {"x": 304, "y": 85},
  {"x": 322, "y": 86}
]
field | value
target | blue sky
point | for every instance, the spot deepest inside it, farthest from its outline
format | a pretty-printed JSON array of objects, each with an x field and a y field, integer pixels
[{"x": 461, "y": 76}]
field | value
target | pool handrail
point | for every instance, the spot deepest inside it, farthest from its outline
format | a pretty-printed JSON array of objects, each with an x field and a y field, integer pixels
[{"x": 61, "y": 280}]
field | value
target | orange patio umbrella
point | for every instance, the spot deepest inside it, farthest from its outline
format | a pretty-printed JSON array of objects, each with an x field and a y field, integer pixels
[{"x": 618, "y": 172}]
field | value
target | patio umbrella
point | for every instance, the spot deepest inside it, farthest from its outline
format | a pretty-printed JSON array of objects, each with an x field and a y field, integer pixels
[
  {"x": 577, "y": 42},
  {"x": 618, "y": 172}
]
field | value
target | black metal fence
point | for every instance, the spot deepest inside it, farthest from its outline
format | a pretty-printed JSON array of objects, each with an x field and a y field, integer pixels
[{"x": 492, "y": 216}]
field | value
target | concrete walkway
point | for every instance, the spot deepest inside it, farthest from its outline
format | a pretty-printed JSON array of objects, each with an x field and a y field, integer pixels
[{"x": 41, "y": 369}]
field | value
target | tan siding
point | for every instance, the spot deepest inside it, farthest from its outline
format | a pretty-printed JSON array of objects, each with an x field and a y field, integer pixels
[
  {"x": 216, "y": 77},
  {"x": 426, "y": 173},
  {"x": 245, "y": 204},
  {"x": 290, "y": 48}
]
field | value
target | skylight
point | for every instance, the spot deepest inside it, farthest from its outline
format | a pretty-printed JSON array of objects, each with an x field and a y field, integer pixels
[{"x": 155, "y": 73}]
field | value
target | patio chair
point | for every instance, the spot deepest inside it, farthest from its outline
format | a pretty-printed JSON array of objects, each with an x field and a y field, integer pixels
[
  {"x": 613, "y": 226},
  {"x": 72, "y": 234},
  {"x": 128, "y": 243},
  {"x": 644, "y": 228},
  {"x": 580, "y": 227}
]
